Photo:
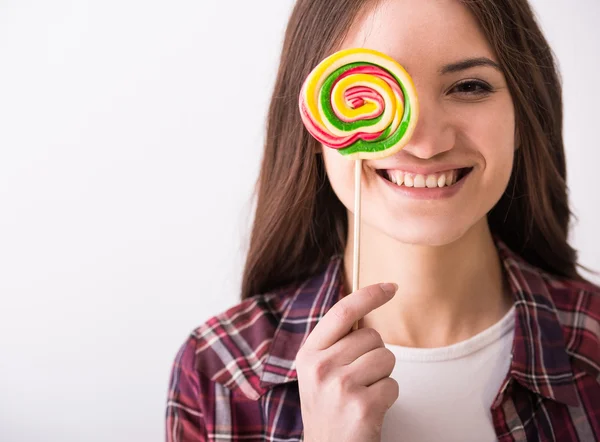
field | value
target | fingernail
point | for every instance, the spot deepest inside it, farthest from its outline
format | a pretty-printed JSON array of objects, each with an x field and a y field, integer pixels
[{"x": 389, "y": 287}]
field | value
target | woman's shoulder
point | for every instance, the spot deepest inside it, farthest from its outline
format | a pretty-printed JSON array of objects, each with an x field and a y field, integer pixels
[
  {"x": 219, "y": 366},
  {"x": 562, "y": 309},
  {"x": 577, "y": 305},
  {"x": 252, "y": 346},
  {"x": 576, "y": 301},
  {"x": 566, "y": 294},
  {"x": 228, "y": 347}
]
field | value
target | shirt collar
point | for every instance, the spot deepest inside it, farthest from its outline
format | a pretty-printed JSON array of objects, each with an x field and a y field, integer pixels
[{"x": 539, "y": 358}]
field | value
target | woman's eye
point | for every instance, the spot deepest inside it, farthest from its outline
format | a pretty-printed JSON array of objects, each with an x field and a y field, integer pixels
[{"x": 472, "y": 88}]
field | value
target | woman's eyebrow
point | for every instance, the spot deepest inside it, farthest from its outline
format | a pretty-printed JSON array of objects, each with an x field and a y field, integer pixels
[{"x": 469, "y": 63}]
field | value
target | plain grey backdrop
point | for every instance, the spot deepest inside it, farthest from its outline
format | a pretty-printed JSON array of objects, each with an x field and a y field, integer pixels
[{"x": 130, "y": 140}]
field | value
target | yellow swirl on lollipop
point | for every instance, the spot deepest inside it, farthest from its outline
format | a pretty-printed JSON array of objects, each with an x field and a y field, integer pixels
[{"x": 361, "y": 102}]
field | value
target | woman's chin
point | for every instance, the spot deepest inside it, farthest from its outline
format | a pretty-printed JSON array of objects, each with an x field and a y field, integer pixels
[{"x": 426, "y": 232}]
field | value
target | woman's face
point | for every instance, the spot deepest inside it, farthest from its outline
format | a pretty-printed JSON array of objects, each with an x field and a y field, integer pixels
[{"x": 466, "y": 126}]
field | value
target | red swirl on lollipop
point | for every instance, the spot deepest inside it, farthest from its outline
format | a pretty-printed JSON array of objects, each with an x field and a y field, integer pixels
[{"x": 360, "y": 102}]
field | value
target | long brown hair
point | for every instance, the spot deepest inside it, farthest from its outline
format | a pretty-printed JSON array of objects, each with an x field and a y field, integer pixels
[{"x": 300, "y": 223}]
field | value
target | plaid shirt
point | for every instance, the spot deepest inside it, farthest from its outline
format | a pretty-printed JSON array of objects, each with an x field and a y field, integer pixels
[{"x": 234, "y": 379}]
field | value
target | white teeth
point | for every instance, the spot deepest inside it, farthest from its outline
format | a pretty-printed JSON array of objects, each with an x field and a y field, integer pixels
[
  {"x": 399, "y": 178},
  {"x": 431, "y": 181},
  {"x": 418, "y": 180}
]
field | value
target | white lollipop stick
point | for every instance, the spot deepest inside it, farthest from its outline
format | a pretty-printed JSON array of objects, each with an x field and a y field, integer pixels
[{"x": 356, "y": 258}]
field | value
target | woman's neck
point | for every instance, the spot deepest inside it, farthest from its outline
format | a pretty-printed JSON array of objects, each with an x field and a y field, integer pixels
[{"x": 446, "y": 293}]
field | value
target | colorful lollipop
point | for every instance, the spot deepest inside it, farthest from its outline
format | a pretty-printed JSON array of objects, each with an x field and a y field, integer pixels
[
  {"x": 364, "y": 104},
  {"x": 361, "y": 102}
]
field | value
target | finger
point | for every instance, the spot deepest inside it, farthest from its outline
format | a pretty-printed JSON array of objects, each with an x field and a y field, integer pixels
[
  {"x": 372, "y": 367},
  {"x": 354, "y": 345},
  {"x": 338, "y": 321},
  {"x": 384, "y": 392}
]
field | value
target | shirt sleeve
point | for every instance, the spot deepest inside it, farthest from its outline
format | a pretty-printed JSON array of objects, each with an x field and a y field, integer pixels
[{"x": 184, "y": 417}]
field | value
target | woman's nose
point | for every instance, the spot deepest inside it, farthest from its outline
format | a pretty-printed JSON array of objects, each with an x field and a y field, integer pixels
[{"x": 433, "y": 133}]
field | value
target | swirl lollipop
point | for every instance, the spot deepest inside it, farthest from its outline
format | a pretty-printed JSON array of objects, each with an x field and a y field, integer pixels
[
  {"x": 361, "y": 102},
  {"x": 364, "y": 104}
]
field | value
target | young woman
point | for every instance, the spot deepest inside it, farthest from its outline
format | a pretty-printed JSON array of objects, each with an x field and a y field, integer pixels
[{"x": 474, "y": 322}]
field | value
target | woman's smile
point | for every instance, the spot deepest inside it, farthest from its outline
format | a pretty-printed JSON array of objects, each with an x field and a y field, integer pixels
[{"x": 419, "y": 186}]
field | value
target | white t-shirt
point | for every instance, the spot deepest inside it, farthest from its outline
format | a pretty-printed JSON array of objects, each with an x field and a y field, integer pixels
[{"x": 446, "y": 392}]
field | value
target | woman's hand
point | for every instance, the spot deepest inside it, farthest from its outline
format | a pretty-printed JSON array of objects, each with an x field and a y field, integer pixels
[{"x": 343, "y": 375}]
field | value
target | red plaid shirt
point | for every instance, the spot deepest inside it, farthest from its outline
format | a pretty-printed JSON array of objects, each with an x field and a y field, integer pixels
[{"x": 234, "y": 379}]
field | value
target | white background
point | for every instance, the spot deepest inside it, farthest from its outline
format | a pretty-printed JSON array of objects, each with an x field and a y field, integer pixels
[{"x": 130, "y": 140}]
